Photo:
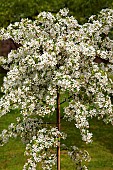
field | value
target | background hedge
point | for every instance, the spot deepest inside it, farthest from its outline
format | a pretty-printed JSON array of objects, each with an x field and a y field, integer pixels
[{"x": 14, "y": 10}]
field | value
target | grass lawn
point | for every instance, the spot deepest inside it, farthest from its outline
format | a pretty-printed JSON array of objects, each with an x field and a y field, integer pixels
[{"x": 101, "y": 150}]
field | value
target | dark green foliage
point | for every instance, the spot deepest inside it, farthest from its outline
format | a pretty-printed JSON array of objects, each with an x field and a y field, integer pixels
[
  {"x": 83, "y": 9},
  {"x": 14, "y": 10}
]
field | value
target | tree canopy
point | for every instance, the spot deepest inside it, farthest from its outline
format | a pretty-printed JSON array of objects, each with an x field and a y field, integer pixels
[{"x": 57, "y": 56}]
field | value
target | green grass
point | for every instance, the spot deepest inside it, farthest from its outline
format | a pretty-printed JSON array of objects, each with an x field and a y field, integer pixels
[
  {"x": 12, "y": 155},
  {"x": 101, "y": 150}
]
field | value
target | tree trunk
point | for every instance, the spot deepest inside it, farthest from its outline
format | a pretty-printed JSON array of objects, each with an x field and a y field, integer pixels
[{"x": 58, "y": 126}]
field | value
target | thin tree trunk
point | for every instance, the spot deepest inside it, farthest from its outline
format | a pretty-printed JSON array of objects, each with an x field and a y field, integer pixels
[{"x": 58, "y": 126}]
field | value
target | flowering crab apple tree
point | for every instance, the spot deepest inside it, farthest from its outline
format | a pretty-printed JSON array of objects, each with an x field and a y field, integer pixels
[{"x": 59, "y": 60}]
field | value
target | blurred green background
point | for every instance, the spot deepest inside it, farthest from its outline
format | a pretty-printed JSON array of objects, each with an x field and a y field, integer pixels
[{"x": 14, "y": 10}]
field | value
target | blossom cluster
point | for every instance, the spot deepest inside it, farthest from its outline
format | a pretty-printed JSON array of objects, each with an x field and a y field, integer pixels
[
  {"x": 57, "y": 53},
  {"x": 25, "y": 128},
  {"x": 78, "y": 156},
  {"x": 40, "y": 148}
]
